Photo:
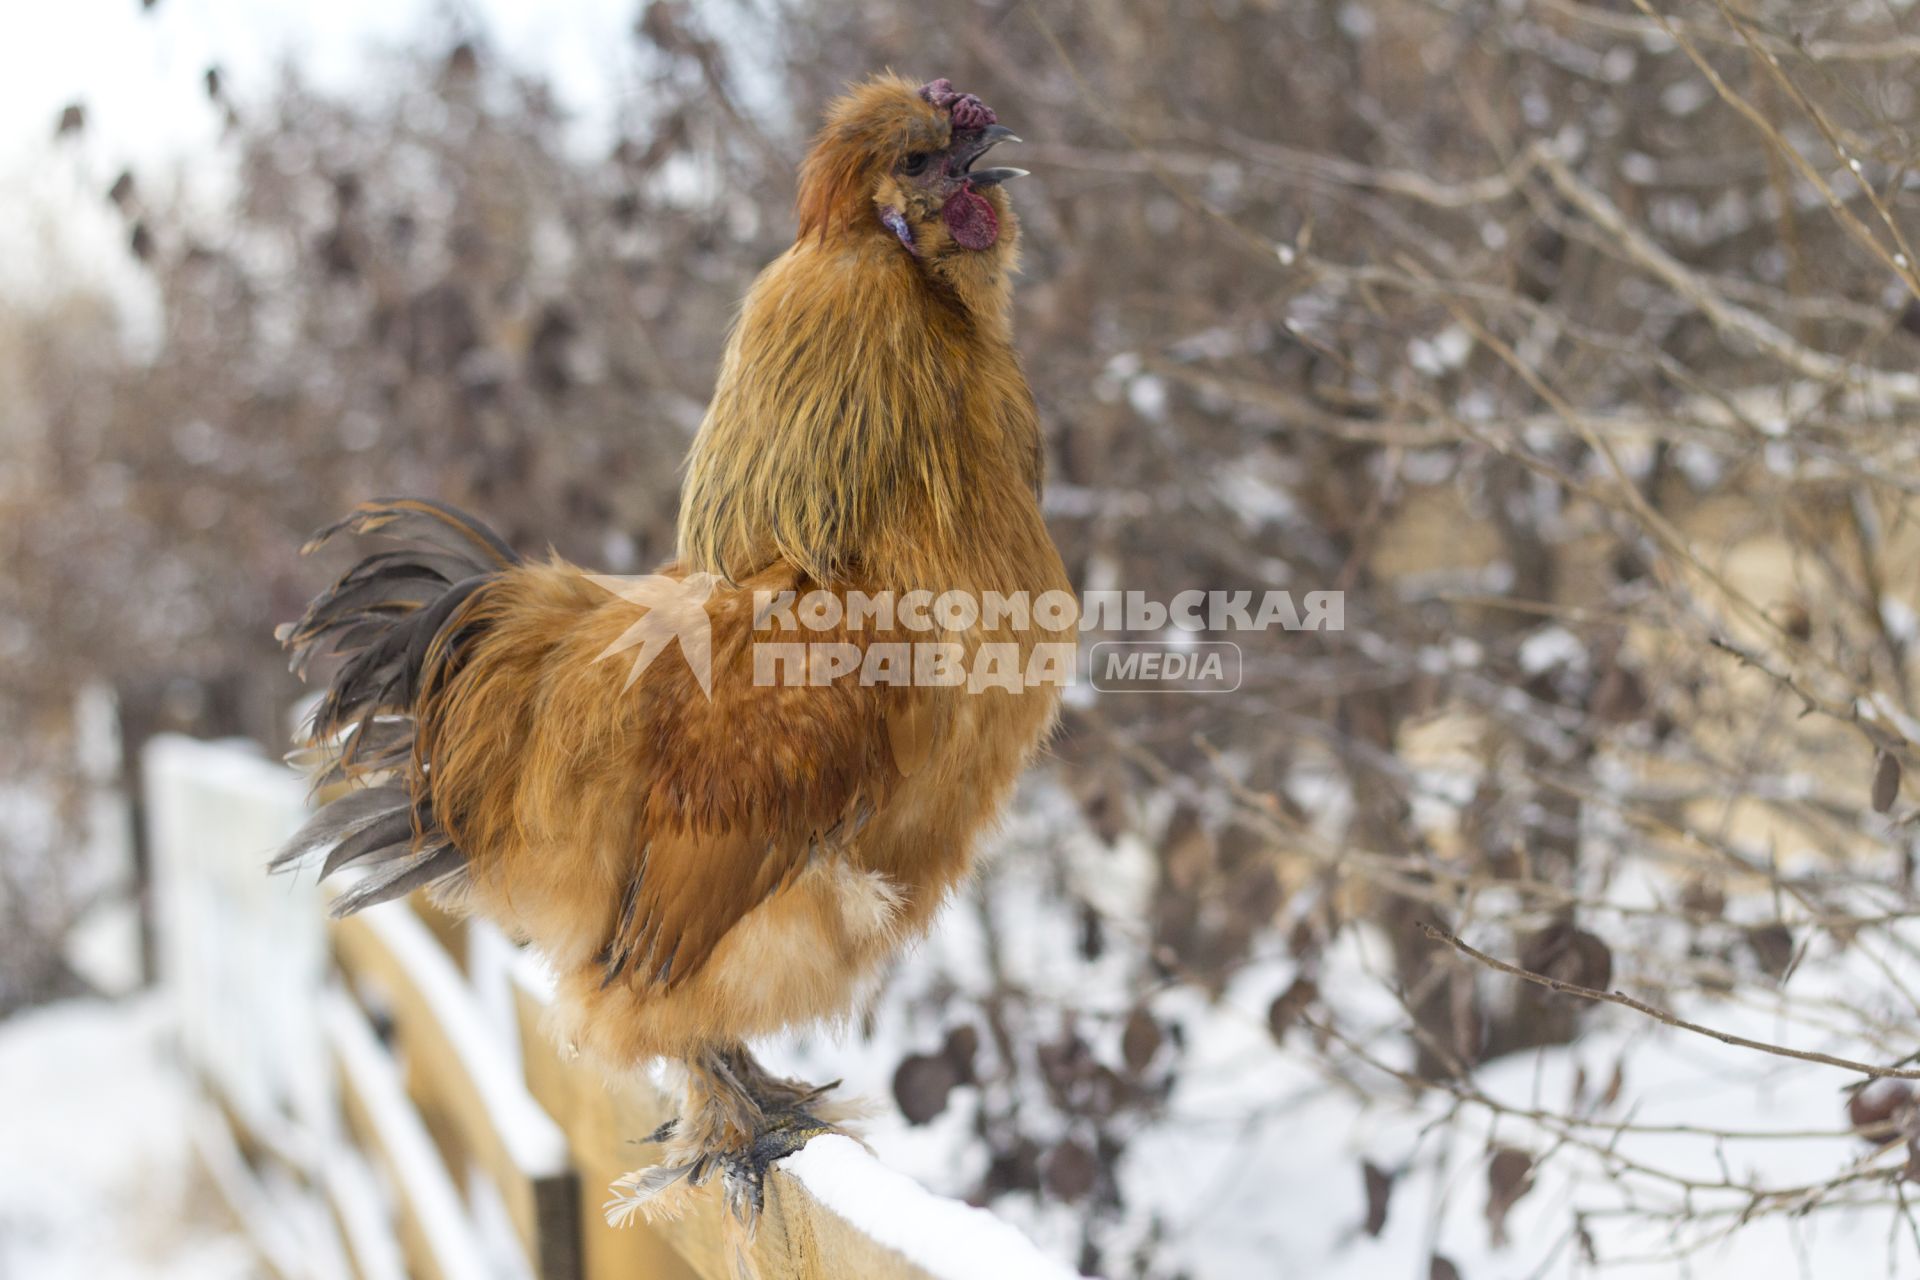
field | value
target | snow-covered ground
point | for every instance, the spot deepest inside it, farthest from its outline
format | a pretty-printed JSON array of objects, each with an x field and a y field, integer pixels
[{"x": 97, "y": 1175}]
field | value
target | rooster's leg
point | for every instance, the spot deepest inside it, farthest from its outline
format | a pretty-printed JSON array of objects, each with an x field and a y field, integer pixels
[
  {"x": 737, "y": 1119},
  {"x": 784, "y": 1119}
]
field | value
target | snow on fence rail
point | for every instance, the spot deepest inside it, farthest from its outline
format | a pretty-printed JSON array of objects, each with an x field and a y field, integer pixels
[{"x": 384, "y": 1103}]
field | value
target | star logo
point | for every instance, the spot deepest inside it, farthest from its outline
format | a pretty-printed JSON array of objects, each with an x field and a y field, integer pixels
[{"x": 675, "y": 609}]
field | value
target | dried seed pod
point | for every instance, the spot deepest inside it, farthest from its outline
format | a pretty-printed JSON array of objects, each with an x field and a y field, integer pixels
[
  {"x": 1509, "y": 1177},
  {"x": 1093, "y": 934},
  {"x": 1289, "y": 1005},
  {"x": 921, "y": 1084},
  {"x": 1881, "y": 1110},
  {"x": 1379, "y": 1185},
  {"x": 960, "y": 1050},
  {"x": 1140, "y": 1041},
  {"x": 1569, "y": 954},
  {"x": 1702, "y": 897},
  {"x": 1070, "y": 1171},
  {"x": 1016, "y": 1168},
  {"x": 1773, "y": 947},
  {"x": 463, "y": 61},
  {"x": 1886, "y": 782}
]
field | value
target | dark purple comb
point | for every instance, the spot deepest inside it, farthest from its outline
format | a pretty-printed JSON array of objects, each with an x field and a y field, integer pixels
[{"x": 965, "y": 110}]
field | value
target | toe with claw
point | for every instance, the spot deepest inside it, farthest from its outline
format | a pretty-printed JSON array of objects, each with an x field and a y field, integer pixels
[{"x": 737, "y": 1120}]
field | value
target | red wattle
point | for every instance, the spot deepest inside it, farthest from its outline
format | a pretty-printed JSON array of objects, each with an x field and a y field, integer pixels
[{"x": 971, "y": 219}]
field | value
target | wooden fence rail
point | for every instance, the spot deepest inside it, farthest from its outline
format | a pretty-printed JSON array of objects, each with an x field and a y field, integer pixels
[{"x": 386, "y": 1104}]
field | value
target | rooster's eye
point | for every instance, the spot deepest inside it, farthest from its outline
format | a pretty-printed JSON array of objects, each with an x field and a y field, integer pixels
[{"x": 914, "y": 164}]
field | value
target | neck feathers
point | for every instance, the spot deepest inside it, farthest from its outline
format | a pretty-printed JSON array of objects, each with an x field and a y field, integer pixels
[{"x": 864, "y": 416}]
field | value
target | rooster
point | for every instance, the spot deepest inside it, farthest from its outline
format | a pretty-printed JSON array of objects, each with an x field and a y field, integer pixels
[{"x": 703, "y": 856}]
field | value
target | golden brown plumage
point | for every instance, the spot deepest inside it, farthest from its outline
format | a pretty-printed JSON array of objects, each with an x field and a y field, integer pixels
[{"x": 703, "y": 870}]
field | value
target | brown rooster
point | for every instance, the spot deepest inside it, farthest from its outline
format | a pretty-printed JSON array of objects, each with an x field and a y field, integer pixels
[{"x": 704, "y": 855}]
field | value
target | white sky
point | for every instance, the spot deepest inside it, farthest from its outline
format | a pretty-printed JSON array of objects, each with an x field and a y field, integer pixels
[{"x": 140, "y": 75}]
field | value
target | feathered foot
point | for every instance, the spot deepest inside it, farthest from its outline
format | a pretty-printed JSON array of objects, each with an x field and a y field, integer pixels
[{"x": 736, "y": 1120}]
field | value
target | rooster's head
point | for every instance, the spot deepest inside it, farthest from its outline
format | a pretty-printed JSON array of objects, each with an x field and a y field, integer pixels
[{"x": 902, "y": 159}]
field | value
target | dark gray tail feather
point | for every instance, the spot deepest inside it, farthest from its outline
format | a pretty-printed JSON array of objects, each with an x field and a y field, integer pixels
[{"x": 395, "y": 618}]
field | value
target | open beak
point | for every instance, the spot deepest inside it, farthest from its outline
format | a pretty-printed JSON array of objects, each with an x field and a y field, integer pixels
[{"x": 968, "y": 150}]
